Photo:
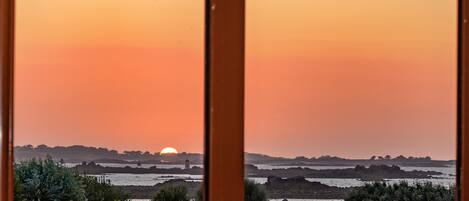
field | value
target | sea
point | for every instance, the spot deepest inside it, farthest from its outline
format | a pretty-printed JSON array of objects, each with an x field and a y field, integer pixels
[{"x": 447, "y": 179}]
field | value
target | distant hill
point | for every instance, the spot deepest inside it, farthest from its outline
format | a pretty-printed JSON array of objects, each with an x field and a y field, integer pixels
[{"x": 80, "y": 153}]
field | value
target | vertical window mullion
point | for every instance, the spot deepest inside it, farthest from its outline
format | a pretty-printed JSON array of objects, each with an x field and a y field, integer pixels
[
  {"x": 6, "y": 72},
  {"x": 463, "y": 101},
  {"x": 225, "y": 99},
  {"x": 224, "y": 102}
]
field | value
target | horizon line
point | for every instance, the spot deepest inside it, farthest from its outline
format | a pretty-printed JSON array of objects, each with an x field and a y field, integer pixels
[{"x": 256, "y": 153}]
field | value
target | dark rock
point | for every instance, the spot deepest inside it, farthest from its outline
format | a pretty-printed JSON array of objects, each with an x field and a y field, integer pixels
[{"x": 300, "y": 188}]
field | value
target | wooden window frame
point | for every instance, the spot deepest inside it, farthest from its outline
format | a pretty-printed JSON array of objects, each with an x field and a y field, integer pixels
[
  {"x": 224, "y": 100},
  {"x": 6, "y": 111},
  {"x": 462, "y": 171}
]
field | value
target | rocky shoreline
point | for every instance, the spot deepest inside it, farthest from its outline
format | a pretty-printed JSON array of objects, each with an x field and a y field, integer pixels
[
  {"x": 281, "y": 183},
  {"x": 300, "y": 188},
  {"x": 374, "y": 172},
  {"x": 275, "y": 188},
  {"x": 93, "y": 168},
  {"x": 147, "y": 192}
]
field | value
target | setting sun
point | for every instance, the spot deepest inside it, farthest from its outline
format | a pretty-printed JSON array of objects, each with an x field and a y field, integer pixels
[{"x": 168, "y": 150}]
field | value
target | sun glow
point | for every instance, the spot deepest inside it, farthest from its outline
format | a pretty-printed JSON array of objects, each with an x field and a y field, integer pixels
[{"x": 168, "y": 150}]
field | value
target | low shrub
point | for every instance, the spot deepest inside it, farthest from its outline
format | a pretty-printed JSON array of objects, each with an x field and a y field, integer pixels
[
  {"x": 100, "y": 190},
  {"x": 252, "y": 192},
  {"x": 38, "y": 180},
  {"x": 172, "y": 193},
  {"x": 381, "y": 191},
  {"x": 42, "y": 180}
]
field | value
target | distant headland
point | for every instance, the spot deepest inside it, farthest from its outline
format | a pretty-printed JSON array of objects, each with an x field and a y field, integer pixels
[{"x": 80, "y": 153}]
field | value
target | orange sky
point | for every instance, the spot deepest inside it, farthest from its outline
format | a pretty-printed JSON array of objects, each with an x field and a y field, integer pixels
[
  {"x": 347, "y": 78},
  {"x": 122, "y": 74}
]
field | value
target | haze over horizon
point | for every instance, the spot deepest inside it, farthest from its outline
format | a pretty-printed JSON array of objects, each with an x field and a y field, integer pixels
[
  {"x": 322, "y": 77},
  {"x": 284, "y": 156}
]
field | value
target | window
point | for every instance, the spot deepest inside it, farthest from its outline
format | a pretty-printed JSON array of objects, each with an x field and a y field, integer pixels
[
  {"x": 223, "y": 108},
  {"x": 113, "y": 91},
  {"x": 338, "y": 91}
]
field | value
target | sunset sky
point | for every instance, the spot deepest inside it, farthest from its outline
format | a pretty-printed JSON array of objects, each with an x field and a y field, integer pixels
[{"x": 347, "y": 78}]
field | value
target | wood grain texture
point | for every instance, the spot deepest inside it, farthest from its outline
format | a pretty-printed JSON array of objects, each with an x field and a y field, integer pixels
[
  {"x": 225, "y": 96},
  {"x": 6, "y": 73},
  {"x": 463, "y": 110}
]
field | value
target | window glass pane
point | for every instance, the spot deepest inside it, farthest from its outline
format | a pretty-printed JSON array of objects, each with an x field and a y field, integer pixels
[
  {"x": 112, "y": 89},
  {"x": 344, "y": 93}
]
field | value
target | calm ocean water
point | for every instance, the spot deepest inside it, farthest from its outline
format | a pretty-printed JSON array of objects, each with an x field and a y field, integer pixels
[
  {"x": 447, "y": 179},
  {"x": 153, "y": 179}
]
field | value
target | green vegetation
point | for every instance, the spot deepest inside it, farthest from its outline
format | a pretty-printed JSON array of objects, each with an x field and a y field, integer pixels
[
  {"x": 172, "y": 193},
  {"x": 402, "y": 191},
  {"x": 101, "y": 190},
  {"x": 39, "y": 180},
  {"x": 252, "y": 192},
  {"x": 43, "y": 180}
]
